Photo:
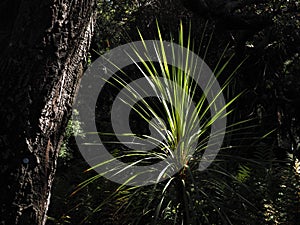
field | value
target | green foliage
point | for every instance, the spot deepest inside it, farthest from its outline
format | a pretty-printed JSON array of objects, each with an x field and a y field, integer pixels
[
  {"x": 181, "y": 198},
  {"x": 243, "y": 173},
  {"x": 250, "y": 183},
  {"x": 73, "y": 129},
  {"x": 113, "y": 20}
]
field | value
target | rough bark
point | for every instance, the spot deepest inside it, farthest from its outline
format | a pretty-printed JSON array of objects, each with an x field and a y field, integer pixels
[{"x": 42, "y": 52}]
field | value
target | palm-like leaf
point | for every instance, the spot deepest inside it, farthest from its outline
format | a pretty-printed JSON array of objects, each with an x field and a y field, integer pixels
[{"x": 180, "y": 137}]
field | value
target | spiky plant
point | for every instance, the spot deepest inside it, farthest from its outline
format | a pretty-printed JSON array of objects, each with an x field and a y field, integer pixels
[{"x": 180, "y": 121}]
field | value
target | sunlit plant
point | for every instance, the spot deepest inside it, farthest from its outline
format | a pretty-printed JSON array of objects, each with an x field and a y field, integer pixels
[{"x": 180, "y": 122}]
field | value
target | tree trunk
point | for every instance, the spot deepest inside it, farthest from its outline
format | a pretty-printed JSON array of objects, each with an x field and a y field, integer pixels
[{"x": 43, "y": 46}]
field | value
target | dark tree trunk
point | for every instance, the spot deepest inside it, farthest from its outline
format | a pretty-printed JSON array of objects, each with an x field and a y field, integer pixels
[{"x": 43, "y": 45}]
